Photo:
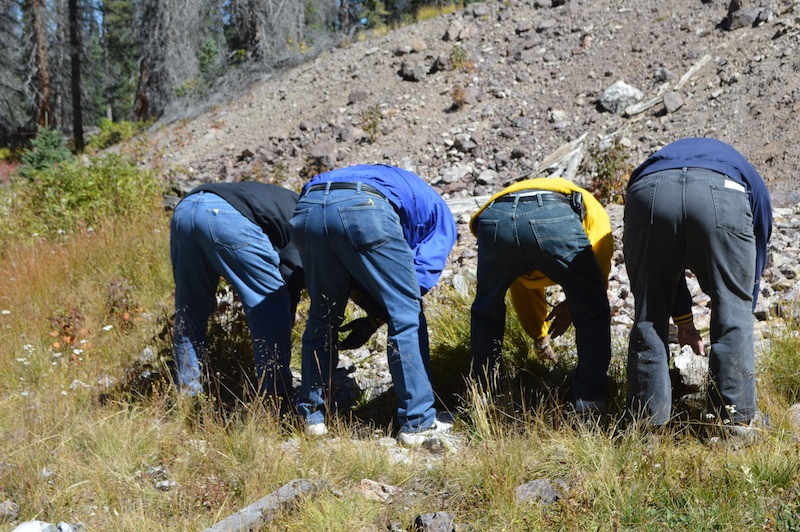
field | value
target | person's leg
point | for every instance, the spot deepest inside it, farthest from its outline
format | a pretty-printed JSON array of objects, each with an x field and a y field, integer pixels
[
  {"x": 327, "y": 282},
  {"x": 722, "y": 253},
  {"x": 497, "y": 253},
  {"x": 654, "y": 261},
  {"x": 553, "y": 238},
  {"x": 245, "y": 257},
  {"x": 195, "y": 284},
  {"x": 368, "y": 238}
]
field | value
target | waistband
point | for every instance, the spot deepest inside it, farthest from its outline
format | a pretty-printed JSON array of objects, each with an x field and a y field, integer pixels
[
  {"x": 534, "y": 195},
  {"x": 346, "y": 185}
]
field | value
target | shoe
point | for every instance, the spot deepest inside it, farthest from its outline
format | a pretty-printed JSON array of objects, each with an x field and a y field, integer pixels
[
  {"x": 415, "y": 439},
  {"x": 584, "y": 407},
  {"x": 316, "y": 430},
  {"x": 748, "y": 431}
]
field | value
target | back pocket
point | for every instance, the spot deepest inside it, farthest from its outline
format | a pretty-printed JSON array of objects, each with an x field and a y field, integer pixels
[{"x": 365, "y": 226}]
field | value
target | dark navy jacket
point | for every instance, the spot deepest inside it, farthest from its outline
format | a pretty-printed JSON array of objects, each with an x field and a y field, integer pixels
[
  {"x": 428, "y": 224},
  {"x": 715, "y": 155},
  {"x": 271, "y": 208}
]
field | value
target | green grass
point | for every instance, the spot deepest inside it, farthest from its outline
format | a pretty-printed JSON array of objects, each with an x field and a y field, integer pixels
[{"x": 77, "y": 445}]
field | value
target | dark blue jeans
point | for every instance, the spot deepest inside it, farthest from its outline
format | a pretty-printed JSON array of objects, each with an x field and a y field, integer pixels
[
  {"x": 209, "y": 238},
  {"x": 697, "y": 219},
  {"x": 353, "y": 234},
  {"x": 515, "y": 238}
]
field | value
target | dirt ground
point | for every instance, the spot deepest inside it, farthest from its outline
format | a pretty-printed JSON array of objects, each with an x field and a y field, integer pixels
[{"x": 498, "y": 86}]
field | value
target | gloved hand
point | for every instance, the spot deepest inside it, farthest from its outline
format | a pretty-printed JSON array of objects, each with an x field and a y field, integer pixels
[
  {"x": 562, "y": 318},
  {"x": 362, "y": 330}
]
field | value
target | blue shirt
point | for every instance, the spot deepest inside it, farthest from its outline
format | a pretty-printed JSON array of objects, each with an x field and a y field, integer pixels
[
  {"x": 715, "y": 155},
  {"x": 428, "y": 224}
]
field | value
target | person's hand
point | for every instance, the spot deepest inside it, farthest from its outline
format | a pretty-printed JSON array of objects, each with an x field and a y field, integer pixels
[
  {"x": 562, "y": 318},
  {"x": 688, "y": 335},
  {"x": 362, "y": 330}
]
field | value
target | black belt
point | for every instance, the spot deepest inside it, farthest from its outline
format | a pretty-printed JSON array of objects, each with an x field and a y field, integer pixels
[
  {"x": 346, "y": 185},
  {"x": 546, "y": 196}
]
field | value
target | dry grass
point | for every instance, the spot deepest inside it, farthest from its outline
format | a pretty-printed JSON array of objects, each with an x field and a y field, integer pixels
[{"x": 71, "y": 451}]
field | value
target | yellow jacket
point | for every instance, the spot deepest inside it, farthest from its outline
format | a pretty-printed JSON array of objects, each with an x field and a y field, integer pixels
[{"x": 527, "y": 291}]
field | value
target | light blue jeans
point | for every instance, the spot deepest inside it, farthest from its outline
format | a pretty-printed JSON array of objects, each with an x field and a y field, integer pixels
[
  {"x": 515, "y": 238},
  {"x": 697, "y": 219},
  {"x": 209, "y": 239},
  {"x": 353, "y": 234}
]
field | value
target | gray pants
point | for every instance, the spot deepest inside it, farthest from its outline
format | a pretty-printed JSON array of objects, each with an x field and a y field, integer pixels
[{"x": 697, "y": 219}]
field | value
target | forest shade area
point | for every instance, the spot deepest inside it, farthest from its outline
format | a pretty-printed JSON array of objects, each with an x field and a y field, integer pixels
[{"x": 68, "y": 64}]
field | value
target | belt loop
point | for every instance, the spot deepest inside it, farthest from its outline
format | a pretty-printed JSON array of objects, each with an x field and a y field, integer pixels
[
  {"x": 539, "y": 199},
  {"x": 358, "y": 187},
  {"x": 328, "y": 187},
  {"x": 516, "y": 201}
]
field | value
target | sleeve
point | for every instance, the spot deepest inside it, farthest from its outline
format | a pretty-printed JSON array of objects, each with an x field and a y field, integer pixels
[
  {"x": 762, "y": 228},
  {"x": 530, "y": 304},
  {"x": 433, "y": 248},
  {"x": 682, "y": 305}
]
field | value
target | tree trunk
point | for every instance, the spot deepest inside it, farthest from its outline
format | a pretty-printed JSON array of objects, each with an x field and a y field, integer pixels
[
  {"x": 42, "y": 69},
  {"x": 75, "y": 61}
]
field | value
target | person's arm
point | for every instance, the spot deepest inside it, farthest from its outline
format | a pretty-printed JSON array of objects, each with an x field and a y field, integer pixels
[
  {"x": 433, "y": 248},
  {"x": 683, "y": 318}
]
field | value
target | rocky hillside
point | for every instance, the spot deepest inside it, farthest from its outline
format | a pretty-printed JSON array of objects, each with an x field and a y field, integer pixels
[{"x": 474, "y": 99}]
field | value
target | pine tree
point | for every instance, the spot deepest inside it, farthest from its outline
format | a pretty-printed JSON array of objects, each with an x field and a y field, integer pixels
[
  {"x": 120, "y": 42},
  {"x": 13, "y": 114}
]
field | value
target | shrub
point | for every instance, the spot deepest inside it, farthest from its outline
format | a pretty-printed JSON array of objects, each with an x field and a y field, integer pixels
[
  {"x": 115, "y": 132},
  {"x": 47, "y": 150},
  {"x": 75, "y": 194},
  {"x": 371, "y": 119},
  {"x": 459, "y": 58},
  {"x": 459, "y": 96},
  {"x": 611, "y": 172}
]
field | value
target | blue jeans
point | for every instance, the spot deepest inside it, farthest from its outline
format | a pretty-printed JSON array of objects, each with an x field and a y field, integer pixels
[
  {"x": 515, "y": 238},
  {"x": 352, "y": 234},
  {"x": 209, "y": 238},
  {"x": 682, "y": 218}
]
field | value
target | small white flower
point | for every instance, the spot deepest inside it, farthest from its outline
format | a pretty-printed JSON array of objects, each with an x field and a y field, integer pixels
[
  {"x": 5, "y": 312},
  {"x": 710, "y": 416},
  {"x": 108, "y": 327},
  {"x": 57, "y": 355},
  {"x": 77, "y": 351},
  {"x": 24, "y": 394}
]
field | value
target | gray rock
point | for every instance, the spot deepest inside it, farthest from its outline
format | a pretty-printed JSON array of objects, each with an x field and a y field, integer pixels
[
  {"x": 453, "y": 31},
  {"x": 793, "y": 415},
  {"x": 264, "y": 510},
  {"x": 692, "y": 369},
  {"x": 9, "y": 510},
  {"x": 546, "y": 25},
  {"x": 672, "y": 101},
  {"x": 619, "y": 96},
  {"x": 487, "y": 177},
  {"x": 479, "y": 9},
  {"x": 542, "y": 491},
  {"x": 324, "y": 153},
  {"x": 454, "y": 173},
  {"x": 413, "y": 71},
  {"x": 358, "y": 95},
  {"x": 435, "y": 522}
]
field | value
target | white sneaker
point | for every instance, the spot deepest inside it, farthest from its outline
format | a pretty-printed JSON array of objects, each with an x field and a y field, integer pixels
[
  {"x": 316, "y": 430},
  {"x": 415, "y": 439}
]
